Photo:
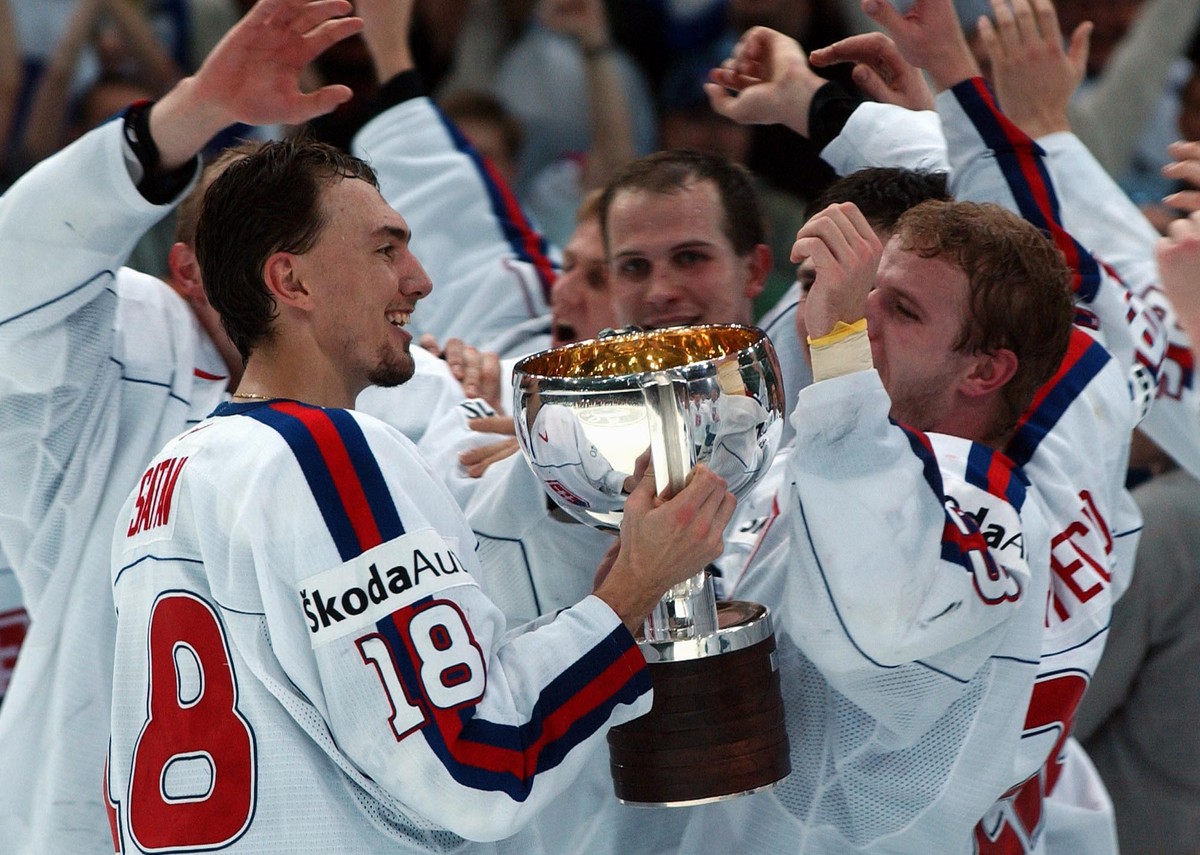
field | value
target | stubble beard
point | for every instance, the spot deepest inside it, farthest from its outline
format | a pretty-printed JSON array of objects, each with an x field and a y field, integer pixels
[{"x": 394, "y": 368}]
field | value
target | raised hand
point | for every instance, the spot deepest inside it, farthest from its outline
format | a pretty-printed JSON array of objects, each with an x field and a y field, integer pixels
[
  {"x": 880, "y": 71},
  {"x": 1184, "y": 167},
  {"x": 253, "y": 76},
  {"x": 844, "y": 252},
  {"x": 929, "y": 37},
  {"x": 1034, "y": 77},
  {"x": 765, "y": 81},
  {"x": 1179, "y": 266}
]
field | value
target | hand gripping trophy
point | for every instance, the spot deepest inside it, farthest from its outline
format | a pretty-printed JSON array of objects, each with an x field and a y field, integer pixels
[{"x": 589, "y": 416}]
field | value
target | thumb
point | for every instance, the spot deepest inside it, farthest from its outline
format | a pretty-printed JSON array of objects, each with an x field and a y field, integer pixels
[
  {"x": 1081, "y": 42},
  {"x": 720, "y": 99}
]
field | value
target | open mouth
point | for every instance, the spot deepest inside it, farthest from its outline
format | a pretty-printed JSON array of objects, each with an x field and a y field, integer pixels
[{"x": 399, "y": 319}]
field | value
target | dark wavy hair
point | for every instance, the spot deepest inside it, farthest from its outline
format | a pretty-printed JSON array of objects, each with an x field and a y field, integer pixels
[{"x": 268, "y": 201}]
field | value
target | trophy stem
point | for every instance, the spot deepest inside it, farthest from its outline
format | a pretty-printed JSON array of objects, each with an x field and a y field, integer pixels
[{"x": 689, "y": 609}]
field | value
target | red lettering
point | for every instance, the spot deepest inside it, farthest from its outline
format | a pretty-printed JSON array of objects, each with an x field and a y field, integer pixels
[
  {"x": 167, "y": 491},
  {"x": 143, "y": 501},
  {"x": 1076, "y": 571},
  {"x": 157, "y": 488}
]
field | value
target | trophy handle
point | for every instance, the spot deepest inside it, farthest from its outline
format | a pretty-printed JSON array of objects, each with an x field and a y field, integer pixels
[{"x": 689, "y": 609}]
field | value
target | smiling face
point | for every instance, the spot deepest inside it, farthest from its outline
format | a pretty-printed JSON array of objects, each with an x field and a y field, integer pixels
[
  {"x": 671, "y": 261},
  {"x": 364, "y": 284},
  {"x": 580, "y": 301},
  {"x": 915, "y": 317}
]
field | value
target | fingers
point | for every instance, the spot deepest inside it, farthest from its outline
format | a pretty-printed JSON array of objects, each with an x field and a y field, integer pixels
[
  {"x": 1080, "y": 47},
  {"x": 1183, "y": 228},
  {"x": 325, "y": 35},
  {"x": 430, "y": 343},
  {"x": 992, "y": 45},
  {"x": 323, "y": 101},
  {"x": 478, "y": 371},
  {"x": 493, "y": 424},
  {"x": 1184, "y": 200},
  {"x": 489, "y": 379},
  {"x": 839, "y": 234},
  {"x": 1026, "y": 24},
  {"x": 1006, "y": 29},
  {"x": 1047, "y": 21},
  {"x": 642, "y": 496},
  {"x": 311, "y": 14},
  {"x": 477, "y": 461},
  {"x": 874, "y": 49}
]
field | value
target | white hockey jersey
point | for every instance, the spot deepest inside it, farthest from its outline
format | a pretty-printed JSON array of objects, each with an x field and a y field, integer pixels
[
  {"x": 306, "y": 663},
  {"x": 1073, "y": 444},
  {"x": 99, "y": 367},
  {"x": 490, "y": 269},
  {"x": 897, "y": 568}
]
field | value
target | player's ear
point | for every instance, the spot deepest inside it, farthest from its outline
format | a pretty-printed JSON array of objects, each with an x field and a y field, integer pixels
[
  {"x": 281, "y": 274},
  {"x": 758, "y": 267},
  {"x": 989, "y": 372},
  {"x": 185, "y": 271}
]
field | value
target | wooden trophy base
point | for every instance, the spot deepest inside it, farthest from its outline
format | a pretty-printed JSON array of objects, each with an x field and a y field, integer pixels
[{"x": 716, "y": 729}]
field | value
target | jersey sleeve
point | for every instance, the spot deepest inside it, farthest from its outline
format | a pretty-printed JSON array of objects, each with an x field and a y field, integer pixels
[
  {"x": 893, "y": 552},
  {"x": 1101, "y": 214},
  {"x": 491, "y": 270},
  {"x": 368, "y": 575},
  {"x": 65, "y": 228},
  {"x": 887, "y": 135},
  {"x": 995, "y": 161}
]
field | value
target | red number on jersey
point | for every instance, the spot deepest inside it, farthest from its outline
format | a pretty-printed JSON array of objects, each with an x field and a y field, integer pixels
[
  {"x": 1051, "y": 708},
  {"x": 192, "y": 784}
]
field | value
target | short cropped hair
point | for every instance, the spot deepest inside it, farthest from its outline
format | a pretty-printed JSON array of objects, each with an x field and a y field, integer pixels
[
  {"x": 266, "y": 202},
  {"x": 674, "y": 170},
  {"x": 882, "y": 193},
  {"x": 1020, "y": 297}
]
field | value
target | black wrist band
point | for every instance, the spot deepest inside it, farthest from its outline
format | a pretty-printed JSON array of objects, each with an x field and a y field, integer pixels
[
  {"x": 137, "y": 134},
  {"x": 156, "y": 186},
  {"x": 831, "y": 108}
]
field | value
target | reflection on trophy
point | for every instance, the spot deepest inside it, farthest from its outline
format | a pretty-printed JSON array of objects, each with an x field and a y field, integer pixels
[{"x": 589, "y": 416}]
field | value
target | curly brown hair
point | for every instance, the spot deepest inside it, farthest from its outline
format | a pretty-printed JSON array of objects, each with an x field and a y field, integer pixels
[{"x": 1019, "y": 283}]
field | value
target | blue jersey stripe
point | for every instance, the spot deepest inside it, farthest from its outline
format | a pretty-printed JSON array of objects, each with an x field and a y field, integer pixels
[
  {"x": 323, "y": 480},
  {"x": 1056, "y": 398},
  {"x": 526, "y": 242},
  {"x": 493, "y": 757},
  {"x": 1022, "y": 163}
]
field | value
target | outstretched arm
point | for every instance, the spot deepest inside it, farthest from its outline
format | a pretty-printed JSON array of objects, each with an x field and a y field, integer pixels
[
  {"x": 766, "y": 81},
  {"x": 880, "y": 70},
  {"x": 253, "y": 76}
]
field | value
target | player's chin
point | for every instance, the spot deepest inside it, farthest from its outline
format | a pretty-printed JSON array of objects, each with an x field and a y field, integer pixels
[{"x": 395, "y": 368}]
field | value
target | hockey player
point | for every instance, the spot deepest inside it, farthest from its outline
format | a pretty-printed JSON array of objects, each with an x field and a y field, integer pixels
[
  {"x": 99, "y": 367},
  {"x": 345, "y": 683},
  {"x": 1089, "y": 383}
]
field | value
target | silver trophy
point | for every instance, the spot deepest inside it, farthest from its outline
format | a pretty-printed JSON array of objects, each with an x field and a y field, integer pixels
[{"x": 589, "y": 417}]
